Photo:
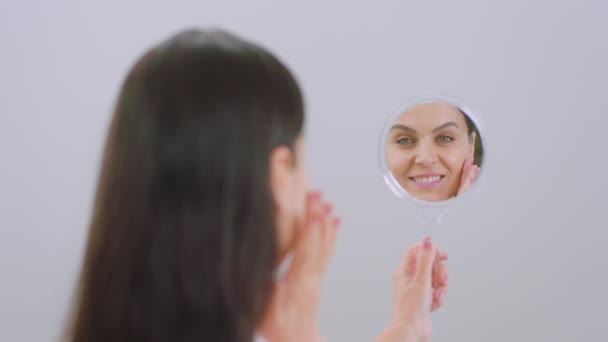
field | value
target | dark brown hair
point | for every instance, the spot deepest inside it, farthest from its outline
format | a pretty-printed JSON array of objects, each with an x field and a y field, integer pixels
[
  {"x": 182, "y": 244},
  {"x": 471, "y": 128}
]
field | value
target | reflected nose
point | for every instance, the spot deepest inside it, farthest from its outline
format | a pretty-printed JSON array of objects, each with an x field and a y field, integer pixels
[{"x": 425, "y": 154}]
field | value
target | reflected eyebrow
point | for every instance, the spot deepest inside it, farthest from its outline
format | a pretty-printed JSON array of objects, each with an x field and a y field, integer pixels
[
  {"x": 403, "y": 128},
  {"x": 445, "y": 125}
]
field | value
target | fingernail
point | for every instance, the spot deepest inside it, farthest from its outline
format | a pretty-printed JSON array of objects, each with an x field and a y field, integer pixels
[
  {"x": 337, "y": 221},
  {"x": 428, "y": 245}
]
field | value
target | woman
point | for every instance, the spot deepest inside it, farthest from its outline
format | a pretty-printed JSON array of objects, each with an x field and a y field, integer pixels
[
  {"x": 432, "y": 151},
  {"x": 202, "y": 194}
]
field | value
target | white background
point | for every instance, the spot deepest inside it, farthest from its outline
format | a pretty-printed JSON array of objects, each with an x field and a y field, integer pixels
[{"x": 527, "y": 252}]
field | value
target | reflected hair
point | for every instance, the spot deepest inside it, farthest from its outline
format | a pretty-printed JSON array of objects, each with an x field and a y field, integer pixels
[
  {"x": 471, "y": 128},
  {"x": 182, "y": 242}
]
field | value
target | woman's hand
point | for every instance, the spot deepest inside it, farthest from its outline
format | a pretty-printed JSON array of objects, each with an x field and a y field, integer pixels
[
  {"x": 420, "y": 286},
  {"x": 470, "y": 172},
  {"x": 293, "y": 310}
]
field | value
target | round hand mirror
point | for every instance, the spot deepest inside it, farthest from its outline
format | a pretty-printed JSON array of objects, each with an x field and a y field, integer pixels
[{"x": 431, "y": 151}]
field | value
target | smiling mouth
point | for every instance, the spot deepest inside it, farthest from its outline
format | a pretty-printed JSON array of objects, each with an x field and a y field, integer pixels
[{"x": 427, "y": 181}]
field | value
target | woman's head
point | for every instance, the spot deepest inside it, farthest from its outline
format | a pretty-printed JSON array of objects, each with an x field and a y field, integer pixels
[
  {"x": 202, "y": 183},
  {"x": 427, "y": 147}
]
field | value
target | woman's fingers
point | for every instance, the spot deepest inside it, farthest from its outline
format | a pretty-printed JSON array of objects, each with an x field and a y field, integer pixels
[
  {"x": 328, "y": 232},
  {"x": 440, "y": 274},
  {"x": 473, "y": 174},
  {"x": 425, "y": 259},
  {"x": 465, "y": 178},
  {"x": 438, "y": 297},
  {"x": 313, "y": 206},
  {"x": 330, "y": 235},
  {"x": 308, "y": 241},
  {"x": 294, "y": 304},
  {"x": 469, "y": 174},
  {"x": 441, "y": 255},
  {"x": 440, "y": 282},
  {"x": 315, "y": 246},
  {"x": 420, "y": 287},
  {"x": 407, "y": 265}
]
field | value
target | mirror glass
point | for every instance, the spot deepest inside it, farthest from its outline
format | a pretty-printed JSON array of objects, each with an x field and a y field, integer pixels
[{"x": 432, "y": 150}]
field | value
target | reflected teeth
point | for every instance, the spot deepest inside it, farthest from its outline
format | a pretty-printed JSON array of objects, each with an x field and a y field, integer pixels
[{"x": 427, "y": 179}]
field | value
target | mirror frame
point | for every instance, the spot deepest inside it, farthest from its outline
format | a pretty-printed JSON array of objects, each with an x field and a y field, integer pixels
[{"x": 387, "y": 175}]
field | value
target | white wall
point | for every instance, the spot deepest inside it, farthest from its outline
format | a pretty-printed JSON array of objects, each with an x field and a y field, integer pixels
[{"x": 527, "y": 253}]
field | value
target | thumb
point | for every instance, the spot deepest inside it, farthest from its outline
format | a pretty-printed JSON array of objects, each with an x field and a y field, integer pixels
[{"x": 424, "y": 265}]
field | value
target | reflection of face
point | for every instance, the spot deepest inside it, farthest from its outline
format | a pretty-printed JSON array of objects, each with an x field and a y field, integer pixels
[{"x": 426, "y": 150}]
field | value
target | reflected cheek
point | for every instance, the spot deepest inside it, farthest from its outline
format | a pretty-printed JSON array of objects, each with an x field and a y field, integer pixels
[
  {"x": 453, "y": 163},
  {"x": 391, "y": 158},
  {"x": 397, "y": 161},
  {"x": 400, "y": 165}
]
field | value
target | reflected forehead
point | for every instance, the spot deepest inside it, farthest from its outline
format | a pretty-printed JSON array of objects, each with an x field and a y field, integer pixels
[{"x": 431, "y": 115}]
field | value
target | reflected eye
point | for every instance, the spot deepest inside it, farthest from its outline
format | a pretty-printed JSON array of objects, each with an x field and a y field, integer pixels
[
  {"x": 404, "y": 141},
  {"x": 445, "y": 139}
]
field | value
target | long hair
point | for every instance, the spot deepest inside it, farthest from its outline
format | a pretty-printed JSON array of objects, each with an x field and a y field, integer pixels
[{"x": 182, "y": 243}]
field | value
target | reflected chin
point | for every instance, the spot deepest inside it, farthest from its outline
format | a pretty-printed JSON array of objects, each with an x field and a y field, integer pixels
[
  {"x": 430, "y": 194},
  {"x": 431, "y": 197},
  {"x": 425, "y": 196}
]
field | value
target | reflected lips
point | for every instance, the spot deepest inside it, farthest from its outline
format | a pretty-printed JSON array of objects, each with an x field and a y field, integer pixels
[{"x": 427, "y": 180}]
